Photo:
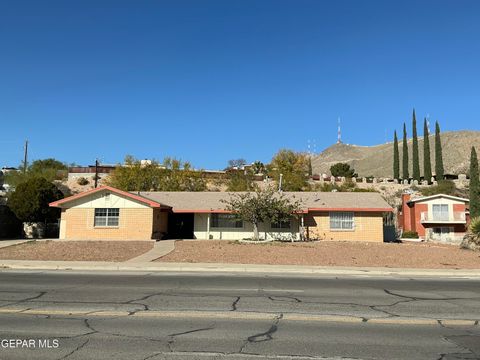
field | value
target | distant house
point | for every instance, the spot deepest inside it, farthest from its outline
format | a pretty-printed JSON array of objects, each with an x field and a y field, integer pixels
[
  {"x": 111, "y": 214},
  {"x": 441, "y": 217},
  {"x": 75, "y": 172}
]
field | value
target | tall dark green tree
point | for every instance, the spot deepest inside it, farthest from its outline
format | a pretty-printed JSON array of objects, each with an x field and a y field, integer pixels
[
  {"x": 396, "y": 157},
  {"x": 415, "y": 156},
  {"x": 427, "y": 165},
  {"x": 405, "y": 154},
  {"x": 439, "y": 171},
  {"x": 29, "y": 202},
  {"x": 474, "y": 185}
]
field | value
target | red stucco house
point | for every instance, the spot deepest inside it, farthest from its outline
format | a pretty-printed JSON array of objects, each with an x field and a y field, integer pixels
[{"x": 442, "y": 218}]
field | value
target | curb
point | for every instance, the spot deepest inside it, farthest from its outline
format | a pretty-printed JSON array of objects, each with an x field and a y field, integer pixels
[{"x": 235, "y": 268}]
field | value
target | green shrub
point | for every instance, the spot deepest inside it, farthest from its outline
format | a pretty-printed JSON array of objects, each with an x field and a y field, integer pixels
[
  {"x": 475, "y": 226},
  {"x": 347, "y": 186},
  {"x": 369, "y": 189},
  {"x": 82, "y": 181},
  {"x": 444, "y": 187},
  {"x": 342, "y": 169},
  {"x": 410, "y": 235}
]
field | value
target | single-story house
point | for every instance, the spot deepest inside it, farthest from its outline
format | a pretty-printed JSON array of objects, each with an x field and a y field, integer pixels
[
  {"x": 441, "y": 217},
  {"x": 111, "y": 214}
]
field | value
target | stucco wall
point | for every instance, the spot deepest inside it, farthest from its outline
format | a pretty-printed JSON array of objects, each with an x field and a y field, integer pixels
[
  {"x": 200, "y": 231},
  {"x": 368, "y": 227},
  {"x": 104, "y": 199}
]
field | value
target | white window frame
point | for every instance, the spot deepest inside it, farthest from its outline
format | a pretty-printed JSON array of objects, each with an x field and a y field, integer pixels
[
  {"x": 111, "y": 217},
  {"x": 342, "y": 221},
  {"x": 234, "y": 218},
  {"x": 442, "y": 214}
]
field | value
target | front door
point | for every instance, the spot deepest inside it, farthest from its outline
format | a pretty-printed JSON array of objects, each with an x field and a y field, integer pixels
[{"x": 180, "y": 226}]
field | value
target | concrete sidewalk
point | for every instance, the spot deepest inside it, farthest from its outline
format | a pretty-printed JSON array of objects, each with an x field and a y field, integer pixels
[
  {"x": 236, "y": 268},
  {"x": 6, "y": 243},
  {"x": 160, "y": 248}
]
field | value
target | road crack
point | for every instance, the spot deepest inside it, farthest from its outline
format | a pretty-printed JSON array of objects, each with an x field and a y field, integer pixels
[
  {"x": 192, "y": 331},
  {"x": 75, "y": 350},
  {"x": 40, "y": 294},
  {"x": 290, "y": 299},
  {"x": 262, "y": 337},
  {"x": 234, "y": 304}
]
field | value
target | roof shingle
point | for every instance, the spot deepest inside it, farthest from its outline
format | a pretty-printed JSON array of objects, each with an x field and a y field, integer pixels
[{"x": 211, "y": 201}]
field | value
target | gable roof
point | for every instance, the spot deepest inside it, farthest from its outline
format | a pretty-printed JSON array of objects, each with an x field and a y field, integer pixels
[
  {"x": 436, "y": 196},
  {"x": 204, "y": 202},
  {"x": 149, "y": 202}
]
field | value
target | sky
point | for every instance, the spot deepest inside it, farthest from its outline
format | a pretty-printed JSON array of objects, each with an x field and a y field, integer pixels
[{"x": 209, "y": 81}]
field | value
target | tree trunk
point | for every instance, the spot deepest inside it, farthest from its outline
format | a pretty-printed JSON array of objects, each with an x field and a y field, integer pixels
[{"x": 255, "y": 232}]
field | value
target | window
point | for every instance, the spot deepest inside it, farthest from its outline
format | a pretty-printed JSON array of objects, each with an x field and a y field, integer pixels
[
  {"x": 226, "y": 221},
  {"x": 281, "y": 224},
  {"x": 440, "y": 212},
  {"x": 107, "y": 217},
  {"x": 341, "y": 221},
  {"x": 441, "y": 230}
]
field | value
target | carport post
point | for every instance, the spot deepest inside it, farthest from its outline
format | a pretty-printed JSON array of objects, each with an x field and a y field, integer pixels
[
  {"x": 208, "y": 226},
  {"x": 301, "y": 228}
]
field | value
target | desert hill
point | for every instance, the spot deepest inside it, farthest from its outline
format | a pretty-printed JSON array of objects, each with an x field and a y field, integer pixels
[{"x": 378, "y": 160}]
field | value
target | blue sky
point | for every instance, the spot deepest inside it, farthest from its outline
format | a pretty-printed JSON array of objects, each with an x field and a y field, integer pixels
[{"x": 209, "y": 81}]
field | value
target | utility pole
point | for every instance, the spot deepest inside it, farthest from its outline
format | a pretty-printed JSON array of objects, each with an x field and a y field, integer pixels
[
  {"x": 280, "y": 183},
  {"x": 25, "y": 157},
  {"x": 96, "y": 173}
]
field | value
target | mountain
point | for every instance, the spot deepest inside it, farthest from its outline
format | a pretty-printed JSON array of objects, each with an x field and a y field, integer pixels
[{"x": 377, "y": 160}]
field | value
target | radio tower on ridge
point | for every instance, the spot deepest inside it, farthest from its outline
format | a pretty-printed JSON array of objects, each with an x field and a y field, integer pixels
[{"x": 339, "y": 133}]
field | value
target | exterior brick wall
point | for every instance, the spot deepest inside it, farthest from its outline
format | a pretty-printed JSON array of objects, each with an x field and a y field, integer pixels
[
  {"x": 134, "y": 224},
  {"x": 417, "y": 218},
  {"x": 368, "y": 227},
  {"x": 406, "y": 218}
]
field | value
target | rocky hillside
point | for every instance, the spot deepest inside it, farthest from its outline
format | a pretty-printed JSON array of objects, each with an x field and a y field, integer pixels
[{"x": 378, "y": 160}]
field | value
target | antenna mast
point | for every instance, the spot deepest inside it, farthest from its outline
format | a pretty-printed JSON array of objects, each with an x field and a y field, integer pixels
[{"x": 25, "y": 157}]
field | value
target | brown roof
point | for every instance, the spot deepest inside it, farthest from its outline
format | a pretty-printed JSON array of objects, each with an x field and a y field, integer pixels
[{"x": 326, "y": 201}]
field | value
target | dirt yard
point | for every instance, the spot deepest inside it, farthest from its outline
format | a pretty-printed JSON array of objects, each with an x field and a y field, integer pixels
[
  {"x": 406, "y": 255},
  {"x": 76, "y": 250}
]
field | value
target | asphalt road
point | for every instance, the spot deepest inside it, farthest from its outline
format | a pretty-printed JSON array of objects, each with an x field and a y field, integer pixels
[{"x": 232, "y": 316}]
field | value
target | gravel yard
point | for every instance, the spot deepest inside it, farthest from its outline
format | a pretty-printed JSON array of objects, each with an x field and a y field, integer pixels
[
  {"x": 76, "y": 250},
  {"x": 405, "y": 255}
]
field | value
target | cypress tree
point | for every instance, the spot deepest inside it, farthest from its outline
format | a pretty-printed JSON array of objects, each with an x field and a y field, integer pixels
[
  {"x": 439, "y": 172},
  {"x": 427, "y": 165},
  {"x": 474, "y": 185},
  {"x": 396, "y": 157},
  {"x": 415, "y": 157},
  {"x": 405, "y": 154}
]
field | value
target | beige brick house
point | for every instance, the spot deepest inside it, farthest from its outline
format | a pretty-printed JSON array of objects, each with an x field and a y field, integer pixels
[{"x": 107, "y": 213}]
